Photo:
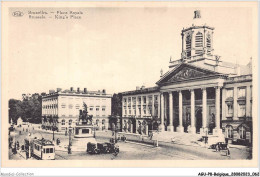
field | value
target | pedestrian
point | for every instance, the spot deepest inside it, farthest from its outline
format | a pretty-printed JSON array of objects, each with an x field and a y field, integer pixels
[
  {"x": 17, "y": 145},
  {"x": 217, "y": 147},
  {"x": 228, "y": 151}
]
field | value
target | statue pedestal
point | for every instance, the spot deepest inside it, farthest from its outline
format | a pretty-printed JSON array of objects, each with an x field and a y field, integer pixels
[{"x": 84, "y": 131}]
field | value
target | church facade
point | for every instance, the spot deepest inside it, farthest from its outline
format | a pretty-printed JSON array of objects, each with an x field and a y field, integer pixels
[{"x": 199, "y": 94}]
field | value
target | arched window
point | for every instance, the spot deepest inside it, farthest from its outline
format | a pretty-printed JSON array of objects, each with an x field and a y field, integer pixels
[
  {"x": 199, "y": 43},
  {"x": 208, "y": 41},
  {"x": 63, "y": 122},
  {"x": 188, "y": 45},
  {"x": 229, "y": 131},
  {"x": 199, "y": 40},
  {"x": 242, "y": 132}
]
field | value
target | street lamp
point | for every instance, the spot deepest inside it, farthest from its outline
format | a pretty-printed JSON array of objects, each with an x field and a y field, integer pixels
[
  {"x": 70, "y": 143},
  {"x": 53, "y": 129}
]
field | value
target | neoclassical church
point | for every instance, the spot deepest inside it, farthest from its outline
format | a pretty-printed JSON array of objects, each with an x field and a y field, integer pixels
[{"x": 200, "y": 94}]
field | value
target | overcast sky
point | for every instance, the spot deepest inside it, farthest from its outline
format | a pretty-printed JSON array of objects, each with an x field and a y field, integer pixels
[{"x": 115, "y": 49}]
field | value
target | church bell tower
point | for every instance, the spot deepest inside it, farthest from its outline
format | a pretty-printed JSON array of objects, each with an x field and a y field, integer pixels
[{"x": 197, "y": 40}]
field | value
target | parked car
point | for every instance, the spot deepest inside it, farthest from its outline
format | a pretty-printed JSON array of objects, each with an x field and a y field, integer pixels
[
  {"x": 113, "y": 148},
  {"x": 92, "y": 148},
  {"x": 103, "y": 147},
  {"x": 96, "y": 148},
  {"x": 219, "y": 146}
]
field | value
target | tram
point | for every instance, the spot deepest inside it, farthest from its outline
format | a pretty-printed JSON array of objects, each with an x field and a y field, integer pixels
[{"x": 42, "y": 149}]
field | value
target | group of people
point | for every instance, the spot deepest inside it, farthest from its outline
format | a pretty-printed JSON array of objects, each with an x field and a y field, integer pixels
[
  {"x": 15, "y": 146},
  {"x": 218, "y": 148}
]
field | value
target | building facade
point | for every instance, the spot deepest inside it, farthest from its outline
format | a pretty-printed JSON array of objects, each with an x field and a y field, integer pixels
[
  {"x": 61, "y": 108},
  {"x": 199, "y": 94}
]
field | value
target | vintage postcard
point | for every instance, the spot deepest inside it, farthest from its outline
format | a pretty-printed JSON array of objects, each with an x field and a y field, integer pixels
[{"x": 129, "y": 84}]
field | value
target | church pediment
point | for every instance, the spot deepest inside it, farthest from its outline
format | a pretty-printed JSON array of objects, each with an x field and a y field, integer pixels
[{"x": 185, "y": 72}]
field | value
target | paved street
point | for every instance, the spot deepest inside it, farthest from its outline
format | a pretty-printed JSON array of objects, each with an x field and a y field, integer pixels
[{"x": 133, "y": 150}]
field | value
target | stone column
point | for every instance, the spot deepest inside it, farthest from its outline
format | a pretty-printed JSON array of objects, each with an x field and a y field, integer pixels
[
  {"x": 141, "y": 113},
  {"x": 136, "y": 106},
  {"x": 224, "y": 104},
  {"x": 136, "y": 126},
  {"x": 159, "y": 106},
  {"x": 152, "y": 113},
  {"x": 217, "y": 130},
  {"x": 192, "y": 112},
  {"x": 204, "y": 111},
  {"x": 146, "y": 129},
  {"x": 170, "y": 126},
  {"x": 180, "y": 128},
  {"x": 162, "y": 112}
]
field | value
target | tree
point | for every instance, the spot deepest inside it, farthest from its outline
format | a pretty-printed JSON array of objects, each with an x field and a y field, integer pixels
[
  {"x": 28, "y": 109},
  {"x": 15, "y": 110},
  {"x": 117, "y": 104}
]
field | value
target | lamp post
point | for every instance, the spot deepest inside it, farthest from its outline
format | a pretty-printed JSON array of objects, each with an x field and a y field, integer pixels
[
  {"x": 70, "y": 144},
  {"x": 53, "y": 129}
]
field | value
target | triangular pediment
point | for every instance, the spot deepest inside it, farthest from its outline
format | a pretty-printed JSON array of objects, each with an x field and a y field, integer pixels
[{"x": 185, "y": 72}]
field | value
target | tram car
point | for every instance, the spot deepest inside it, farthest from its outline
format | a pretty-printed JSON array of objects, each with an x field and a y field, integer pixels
[{"x": 43, "y": 149}]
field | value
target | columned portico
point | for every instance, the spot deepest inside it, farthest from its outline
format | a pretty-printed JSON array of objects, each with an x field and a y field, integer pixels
[
  {"x": 180, "y": 127},
  {"x": 170, "y": 126}
]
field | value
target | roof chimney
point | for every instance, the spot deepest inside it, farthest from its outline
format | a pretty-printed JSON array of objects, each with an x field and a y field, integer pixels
[
  {"x": 104, "y": 90},
  {"x": 85, "y": 90},
  {"x": 137, "y": 88},
  {"x": 143, "y": 87},
  {"x": 71, "y": 88},
  {"x": 78, "y": 89},
  {"x": 58, "y": 89}
]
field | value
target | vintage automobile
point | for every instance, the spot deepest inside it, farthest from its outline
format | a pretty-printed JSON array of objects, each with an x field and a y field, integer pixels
[
  {"x": 113, "y": 148},
  {"x": 219, "y": 146},
  {"x": 93, "y": 148},
  {"x": 103, "y": 147}
]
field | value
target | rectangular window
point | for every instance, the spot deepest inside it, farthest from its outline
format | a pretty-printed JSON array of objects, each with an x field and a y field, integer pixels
[
  {"x": 63, "y": 106},
  {"x": 144, "y": 98},
  {"x": 241, "y": 92},
  {"x": 229, "y": 93},
  {"x": 125, "y": 111},
  {"x": 51, "y": 150},
  {"x": 241, "y": 110},
  {"x": 125, "y": 100},
  {"x": 97, "y": 109},
  {"x": 103, "y": 109},
  {"x": 47, "y": 150},
  {"x": 129, "y": 112},
  {"x": 91, "y": 109},
  {"x": 77, "y": 106}
]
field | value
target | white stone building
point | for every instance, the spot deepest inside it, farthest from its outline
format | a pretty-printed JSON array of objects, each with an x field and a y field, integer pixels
[
  {"x": 61, "y": 108},
  {"x": 199, "y": 94}
]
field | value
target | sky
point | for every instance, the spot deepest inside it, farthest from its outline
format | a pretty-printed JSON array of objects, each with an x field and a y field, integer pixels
[{"x": 113, "y": 48}]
